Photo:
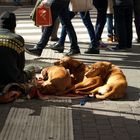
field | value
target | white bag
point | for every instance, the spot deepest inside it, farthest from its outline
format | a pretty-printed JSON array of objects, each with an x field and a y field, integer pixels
[
  {"x": 47, "y": 3},
  {"x": 80, "y": 5}
]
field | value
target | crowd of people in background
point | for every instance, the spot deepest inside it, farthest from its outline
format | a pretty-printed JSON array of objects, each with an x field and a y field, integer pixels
[{"x": 118, "y": 14}]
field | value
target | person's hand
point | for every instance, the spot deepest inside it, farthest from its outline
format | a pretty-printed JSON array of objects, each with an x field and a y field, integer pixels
[{"x": 10, "y": 96}]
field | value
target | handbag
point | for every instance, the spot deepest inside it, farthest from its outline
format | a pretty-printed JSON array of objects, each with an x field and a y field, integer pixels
[
  {"x": 80, "y": 5},
  {"x": 43, "y": 16}
]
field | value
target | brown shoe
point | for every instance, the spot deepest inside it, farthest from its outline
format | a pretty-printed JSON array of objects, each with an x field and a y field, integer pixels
[{"x": 110, "y": 39}]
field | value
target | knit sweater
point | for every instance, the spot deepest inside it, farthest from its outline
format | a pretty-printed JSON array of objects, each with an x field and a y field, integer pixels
[{"x": 12, "y": 59}]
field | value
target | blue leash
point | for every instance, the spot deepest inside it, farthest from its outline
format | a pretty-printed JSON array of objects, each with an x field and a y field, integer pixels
[{"x": 86, "y": 99}]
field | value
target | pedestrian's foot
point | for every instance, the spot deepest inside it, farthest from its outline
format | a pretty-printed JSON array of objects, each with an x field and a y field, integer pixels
[
  {"x": 72, "y": 52},
  {"x": 57, "y": 47},
  {"x": 92, "y": 51},
  {"x": 34, "y": 51}
]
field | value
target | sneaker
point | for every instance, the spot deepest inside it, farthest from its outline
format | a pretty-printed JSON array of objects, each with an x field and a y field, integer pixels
[
  {"x": 57, "y": 47},
  {"x": 72, "y": 52},
  {"x": 34, "y": 51},
  {"x": 92, "y": 51}
]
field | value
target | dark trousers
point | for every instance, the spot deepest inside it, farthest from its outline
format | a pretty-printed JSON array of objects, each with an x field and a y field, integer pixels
[
  {"x": 101, "y": 6},
  {"x": 137, "y": 16},
  {"x": 123, "y": 23},
  {"x": 59, "y": 8}
]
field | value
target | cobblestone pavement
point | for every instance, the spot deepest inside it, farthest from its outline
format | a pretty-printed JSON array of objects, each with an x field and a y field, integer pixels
[{"x": 65, "y": 119}]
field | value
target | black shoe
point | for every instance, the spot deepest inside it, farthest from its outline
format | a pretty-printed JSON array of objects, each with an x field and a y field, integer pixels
[
  {"x": 72, "y": 52},
  {"x": 34, "y": 51},
  {"x": 92, "y": 51},
  {"x": 57, "y": 47},
  {"x": 54, "y": 39}
]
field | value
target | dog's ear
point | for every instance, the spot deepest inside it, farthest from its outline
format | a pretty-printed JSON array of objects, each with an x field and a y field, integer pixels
[
  {"x": 107, "y": 64},
  {"x": 105, "y": 68}
]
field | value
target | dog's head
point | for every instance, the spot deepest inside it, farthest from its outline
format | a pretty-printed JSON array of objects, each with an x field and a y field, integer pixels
[
  {"x": 44, "y": 73},
  {"x": 68, "y": 62},
  {"x": 100, "y": 68}
]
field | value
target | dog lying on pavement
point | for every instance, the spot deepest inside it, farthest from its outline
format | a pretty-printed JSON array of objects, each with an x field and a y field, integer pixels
[
  {"x": 54, "y": 81},
  {"x": 113, "y": 77}
]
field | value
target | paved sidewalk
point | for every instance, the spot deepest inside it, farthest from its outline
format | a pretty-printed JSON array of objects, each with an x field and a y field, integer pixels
[{"x": 57, "y": 119}]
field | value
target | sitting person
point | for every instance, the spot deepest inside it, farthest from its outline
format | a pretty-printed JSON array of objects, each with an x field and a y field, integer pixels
[{"x": 12, "y": 55}]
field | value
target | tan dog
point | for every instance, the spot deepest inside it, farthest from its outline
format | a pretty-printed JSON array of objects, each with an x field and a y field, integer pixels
[
  {"x": 88, "y": 84},
  {"x": 77, "y": 68},
  {"x": 56, "y": 79},
  {"x": 115, "y": 81}
]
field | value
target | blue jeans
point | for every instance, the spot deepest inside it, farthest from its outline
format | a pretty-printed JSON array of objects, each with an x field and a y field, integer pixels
[
  {"x": 110, "y": 26},
  {"x": 123, "y": 23},
  {"x": 85, "y": 16},
  {"x": 101, "y": 6},
  {"x": 59, "y": 8}
]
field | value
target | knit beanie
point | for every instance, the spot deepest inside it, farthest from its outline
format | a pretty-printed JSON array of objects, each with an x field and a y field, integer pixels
[{"x": 8, "y": 20}]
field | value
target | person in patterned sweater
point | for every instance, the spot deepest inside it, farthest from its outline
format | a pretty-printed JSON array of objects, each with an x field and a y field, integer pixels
[{"x": 12, "y": 55}]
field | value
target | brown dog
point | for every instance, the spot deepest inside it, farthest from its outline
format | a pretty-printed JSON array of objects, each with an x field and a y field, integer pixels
[
  {"x": 77, "y": 68},
  {"x": 115, "y": 81},
  {"x": 56, "y": 79}
]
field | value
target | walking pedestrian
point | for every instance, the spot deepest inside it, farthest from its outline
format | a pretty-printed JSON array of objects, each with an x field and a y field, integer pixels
[
  {"x": 85, "y": 16},
  {"x": 58, "y": 9}
]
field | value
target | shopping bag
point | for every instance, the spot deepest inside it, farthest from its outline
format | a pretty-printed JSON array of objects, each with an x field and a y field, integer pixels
[
  {"x": 43, "y": 16},
  {"x": 80, "y": 5}
]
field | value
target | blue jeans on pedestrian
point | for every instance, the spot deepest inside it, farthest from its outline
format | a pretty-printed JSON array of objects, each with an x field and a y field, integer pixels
[
  {"x": 85, "y": 16},
  {"x": 101, "y": 6},
  {"x": 59, "y": 8},
  {"x": 110, "y": 26}
]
